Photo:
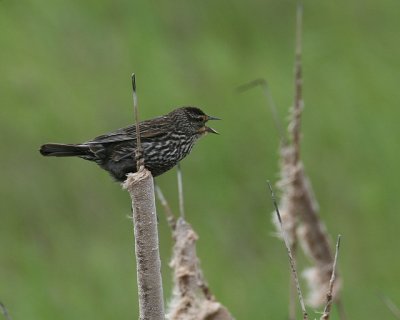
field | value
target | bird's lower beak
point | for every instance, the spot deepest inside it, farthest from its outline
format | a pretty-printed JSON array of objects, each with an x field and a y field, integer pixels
[
  {"x": 211, "y": 130},
  {"x": 205, "y": 129}
]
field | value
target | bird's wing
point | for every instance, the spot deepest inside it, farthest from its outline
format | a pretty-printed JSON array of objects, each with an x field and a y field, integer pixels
[{"x": 148, "y": 129}]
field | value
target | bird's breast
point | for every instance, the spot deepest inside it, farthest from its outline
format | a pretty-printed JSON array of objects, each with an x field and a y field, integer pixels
[{"x": 168, "y": 151}]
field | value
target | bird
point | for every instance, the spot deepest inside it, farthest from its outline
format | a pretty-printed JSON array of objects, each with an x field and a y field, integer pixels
[{"x": 165, "y": 141}]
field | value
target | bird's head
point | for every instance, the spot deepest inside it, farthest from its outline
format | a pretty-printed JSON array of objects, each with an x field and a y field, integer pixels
[{"x": 193, "y": 120}]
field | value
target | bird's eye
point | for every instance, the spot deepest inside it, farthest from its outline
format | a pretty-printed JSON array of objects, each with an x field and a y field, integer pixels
[{"x": 198, "y": 118}]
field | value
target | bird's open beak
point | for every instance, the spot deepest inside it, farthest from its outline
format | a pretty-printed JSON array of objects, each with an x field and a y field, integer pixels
[{"x": 206, "y": 129}]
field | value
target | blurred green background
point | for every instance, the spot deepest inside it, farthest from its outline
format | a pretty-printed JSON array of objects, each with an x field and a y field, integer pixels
[{"x": 66, "y": 243}]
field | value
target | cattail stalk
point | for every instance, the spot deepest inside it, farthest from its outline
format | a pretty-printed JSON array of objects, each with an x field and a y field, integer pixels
[
  {"x": 300, "y": 211},
  {"x": 141, "y": 190},
  {"x": 192, "y": 298}
]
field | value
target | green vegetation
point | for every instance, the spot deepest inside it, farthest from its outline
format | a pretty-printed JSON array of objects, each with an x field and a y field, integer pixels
[{"x": 65, "y": 239}]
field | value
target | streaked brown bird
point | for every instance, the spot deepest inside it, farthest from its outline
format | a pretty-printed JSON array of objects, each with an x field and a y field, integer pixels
[{"x": 165, "y": 140}]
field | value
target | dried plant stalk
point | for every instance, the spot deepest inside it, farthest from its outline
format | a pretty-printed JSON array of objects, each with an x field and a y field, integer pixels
[
  {"x": 292, "y": 260},
  {"x": 328, "y": 306},
  {"x": 180, "y": 190},
  {"x": 191, "y": 297},
  {"x": 168, "y": 212},
  {"x": 298, "y": 204},
  {"x": 140, "y": 186},
  {"x": 141, "y": 190},
  {"x": 301, "y": 208}
]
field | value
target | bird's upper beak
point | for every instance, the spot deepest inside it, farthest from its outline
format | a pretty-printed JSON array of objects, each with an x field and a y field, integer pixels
[{"x": 212, "y": 118}]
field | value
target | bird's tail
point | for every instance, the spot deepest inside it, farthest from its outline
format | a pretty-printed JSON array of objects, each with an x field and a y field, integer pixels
[{"x": 64, "y": 150}]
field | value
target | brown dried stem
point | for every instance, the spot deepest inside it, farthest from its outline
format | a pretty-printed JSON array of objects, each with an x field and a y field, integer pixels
[
  {"x": 292, "y": 287},
  {"x": 192, "y": 298},
  {"x": 298, "y": 204},
  {"x": 170, "y": 216},
  {"x": 298, "y": 93},
  {"x": 291, "y": 259},
  {"x": 139, "y": 150},
  {"x": 180, "y": 191},
  {"x": 329, "y": 297},
  {"x": 141, "y": 189}
]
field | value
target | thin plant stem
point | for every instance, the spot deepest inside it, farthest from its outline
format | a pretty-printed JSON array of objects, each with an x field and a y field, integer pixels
[
  {"x": 329, "y": 295},
  {"x": 391, "y": 306},
  {"x": 168, "y": 211},
  {"x": 180, "y": 191},
  {"x": 289, "y": 251},
  {"x": 4, "y": 311},
  {"x": 298, "y": 85},
  {"x": 139, "y": 151},
  {"x": 292, "y": 289}
]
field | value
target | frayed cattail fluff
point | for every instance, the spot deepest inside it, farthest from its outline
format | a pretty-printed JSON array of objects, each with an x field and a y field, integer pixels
[
  {"x": 301, "y": 221},
  {"x": 191, "y": 298},
  {"x": 317, "y": 279}
]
